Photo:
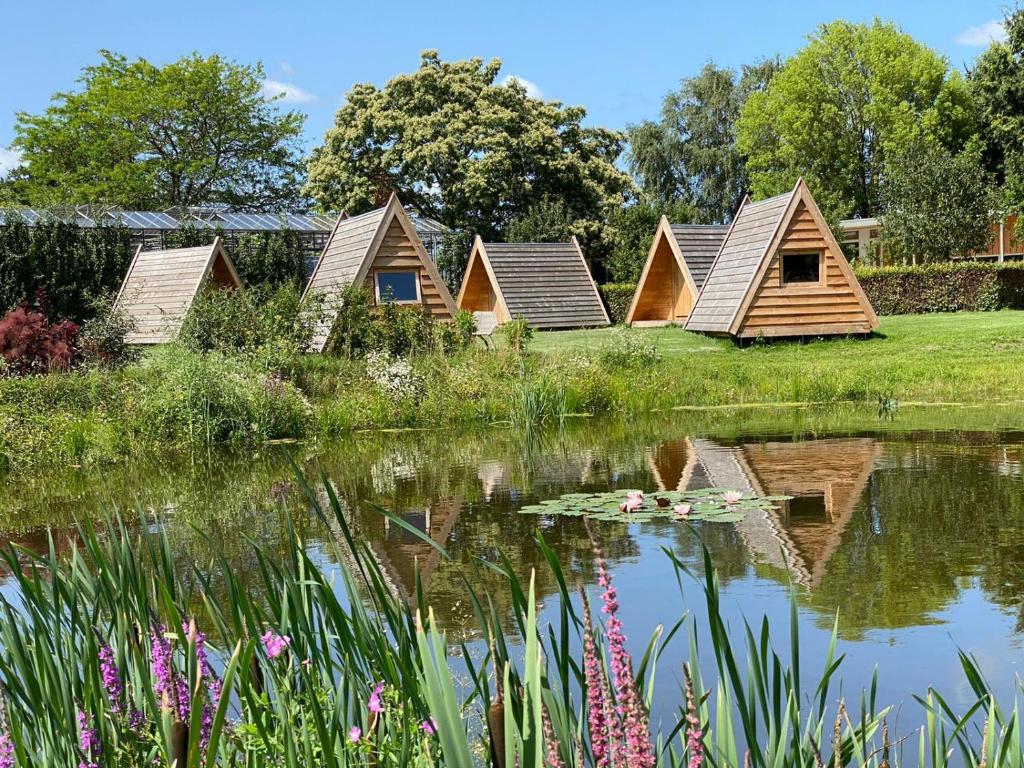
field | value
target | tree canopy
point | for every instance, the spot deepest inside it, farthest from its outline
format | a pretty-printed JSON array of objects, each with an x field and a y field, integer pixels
[
  {"x": 466, "y": 150},
  {"x": 141, "y": 136},
  {"x": 852, "y": 95},
  {"x": 690, "y": 154}
]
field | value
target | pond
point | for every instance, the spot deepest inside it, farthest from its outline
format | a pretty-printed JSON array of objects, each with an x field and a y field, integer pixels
[{"x": 910, "y": 527}]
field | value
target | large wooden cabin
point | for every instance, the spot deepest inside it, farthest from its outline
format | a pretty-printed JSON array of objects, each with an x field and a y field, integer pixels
[
  {"x": 381, "y": 250},
  {"x": 781, "y": 273}
]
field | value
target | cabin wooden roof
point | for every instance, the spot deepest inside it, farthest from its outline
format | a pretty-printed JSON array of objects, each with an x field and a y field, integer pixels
[
  {"x": 160, "y": 287},
  {"x": 548, "y": 284},
  {"x": 731, "y": 276},
  {"x": 699, "y": 244},
  {"x": 347, "y": 258}
]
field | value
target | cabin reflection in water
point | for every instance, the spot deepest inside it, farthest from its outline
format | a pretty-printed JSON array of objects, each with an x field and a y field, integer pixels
[{"x": 826, "y": 478}]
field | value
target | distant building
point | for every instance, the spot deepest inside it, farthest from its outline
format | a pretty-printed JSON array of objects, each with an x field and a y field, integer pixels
[{"x": 864, "y": 240}]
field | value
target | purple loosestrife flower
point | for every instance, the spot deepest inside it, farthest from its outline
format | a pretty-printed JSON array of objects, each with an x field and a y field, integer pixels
[
  {"x": 355, "y": 733},
  {"x": 163, "y": 665},
  {"x": 374, "y": 704},
  {"x": 136, "y": 720},
  {"x": 89, "y": 741},
  {"x": 694, "y": 734},
  {"x": 593, "y": 669},
  {"x": 275, "y": 644},
  {"x": 198, "y": 639},
  {"x": 6, "y": 751},
  {"x": 111, "y": 677},
  {"x": 638, "y": 751},
  {"x": 429, "y": 726},
  {"x": 553, "y": 757}
]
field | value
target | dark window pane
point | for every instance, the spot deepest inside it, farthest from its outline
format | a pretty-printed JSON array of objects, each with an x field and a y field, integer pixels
[
  {"x": 398, "y": 286},
  {"x": 800, "y": 267}
]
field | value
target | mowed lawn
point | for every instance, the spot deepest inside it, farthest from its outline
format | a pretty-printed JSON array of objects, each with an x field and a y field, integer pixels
[{"x": 969, "y": 356}]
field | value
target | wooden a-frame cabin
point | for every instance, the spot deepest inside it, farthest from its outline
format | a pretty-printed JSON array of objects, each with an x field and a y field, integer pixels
[
  {"x": 677, "y": 265},
  {"x": 781, "y": 273},
  {"x": 160, "y": 287},
  {"x": 381, "y": 250},
  {"x": 548, "y": 284}
]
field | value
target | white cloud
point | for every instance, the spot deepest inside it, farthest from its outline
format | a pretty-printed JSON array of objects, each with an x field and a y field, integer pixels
[
  {"x": 287, "y": 68},
  {"x": 9, "y": 160},
  {"x": 532, "y": 89},
  {"x": 982, "y": 35},
  {"x": 288, "y": 92}
]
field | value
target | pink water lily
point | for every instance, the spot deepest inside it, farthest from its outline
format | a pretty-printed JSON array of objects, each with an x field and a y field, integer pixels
[
  {"x": 732, "y": 497},
  {"x": 634, "y": 500},
  {"x": 682, "y": 510}
]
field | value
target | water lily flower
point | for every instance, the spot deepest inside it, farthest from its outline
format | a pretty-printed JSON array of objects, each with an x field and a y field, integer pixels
[
  {"x": 274, "y": 644},
  {"x": 634, "y": 500},
  {"x": 732, "y": 497},
  {"x": 355, "y": 733},
  {"x": 429, "y": 726},
  {"x": 682, "y": 510}
]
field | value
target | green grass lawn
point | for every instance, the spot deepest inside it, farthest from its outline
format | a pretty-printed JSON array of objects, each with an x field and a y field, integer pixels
[{"x": 968, "y": 356}]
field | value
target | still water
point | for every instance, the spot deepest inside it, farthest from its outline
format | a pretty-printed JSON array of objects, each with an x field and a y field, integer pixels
[{"x": 910, "y": 529}]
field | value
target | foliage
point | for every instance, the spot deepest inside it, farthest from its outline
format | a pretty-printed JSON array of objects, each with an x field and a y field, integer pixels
[
  {"x": 617, "y": 298},
  {"x": 465, "y": 150},
  {"x": 517, "y": 333},
  {"x": 353, "y": 317},
  {"x": 139, "y": 136},
  {"x": 453, "y": 258},
  {"x": 73, "y": 265},
  {"x": 629, "y": 349},
  {"x": 547, "y": 221},
  {"x": 400, "y": 330},
  {"x": 634, "y": 227},
  {"x": 260, "y": 258},
  {"x": 997, "y": 84},
  {"x": 853, "y": 95},
  {"x": 937, "y": 205},
  {"x": 30, "y": 344},
  {"x": 455, "y": 336},
  {"x": 715, "y": 505},
  {"x": 104, "y": 334},
  {"x": 394, "y": 376},
  {"x": 961, "y": 287},
  {"x": 690, "y": 153}
]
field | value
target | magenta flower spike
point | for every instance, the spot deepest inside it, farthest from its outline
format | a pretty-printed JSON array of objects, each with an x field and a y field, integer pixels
[
  {"x": 355, "y": 733},
  {"x": 275, "y": 644},
  {"x": 111, "y": 677},
  {"x": 374, "y": 704}
]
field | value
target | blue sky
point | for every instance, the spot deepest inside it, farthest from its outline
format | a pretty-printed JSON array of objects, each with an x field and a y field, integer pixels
[{"x": 615, "y": 58}]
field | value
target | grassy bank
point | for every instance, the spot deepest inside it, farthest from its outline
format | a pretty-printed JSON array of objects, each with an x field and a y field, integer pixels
[{"x": 173, "y": 397}]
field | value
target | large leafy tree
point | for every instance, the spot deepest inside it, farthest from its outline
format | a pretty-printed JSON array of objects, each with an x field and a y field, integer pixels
[
  {"x": 136, "y": 135},
  {"x": 690, "y": 153},
  {"x": 466, "y": 150},
  {"x": 997, "y": 82},
  {"x": 853, "y": 94},
  {"x": 937, "y": 204}
]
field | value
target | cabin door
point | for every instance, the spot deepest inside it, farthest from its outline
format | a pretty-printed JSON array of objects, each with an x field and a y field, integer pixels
[{"x": 683, "y": 302}]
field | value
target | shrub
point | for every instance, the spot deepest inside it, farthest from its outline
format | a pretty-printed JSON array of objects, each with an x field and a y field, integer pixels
[
  {"x": 400, "y": 330},
  {"x": 628, "y": 349},
  {"x": 455, "y": 336},
  {"x": 30, "y": 344},
  {"x": 104, "y": 335},
  {"x": 957, "y": 287},
  {"x": 517, "y": 334},
  {"x": 395, "y": 377},
  {"x": 354, "y": 316},
  {"x": 617, "y": 298}
]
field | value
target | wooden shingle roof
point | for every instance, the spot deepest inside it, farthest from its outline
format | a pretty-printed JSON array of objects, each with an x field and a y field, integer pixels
[
  {"x": 548, "y": 284},
  {"x": 737, "y": 263},
  {"x": 160, "y": 286},
  {"x": 699, "y": 244}
]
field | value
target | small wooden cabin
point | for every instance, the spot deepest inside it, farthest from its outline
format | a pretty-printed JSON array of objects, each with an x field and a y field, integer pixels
[
  {"x": 382, "y": 251},
  {"x": 780, "y": 272},
  {"x": 548, "y": 284},
  {"x": 160, "y": 287},
  {"x": 677, "y": 265}
]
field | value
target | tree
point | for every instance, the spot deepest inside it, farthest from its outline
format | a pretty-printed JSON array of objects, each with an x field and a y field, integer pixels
[
  {"x": 997, "y": 83},
  {"x": 935, "y": 203},
  {"x": 852, "y": 95},
  {"x": 635, "y": 226},
  {"x": 466, "y": 151},
  {"x": 690, "y": 153},
  {"x": 548, "y": 221},
  {"x": 136, "y": 135}
]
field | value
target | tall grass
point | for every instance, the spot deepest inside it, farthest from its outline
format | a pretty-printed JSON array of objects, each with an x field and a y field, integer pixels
[{"x": 117, "y": 655}]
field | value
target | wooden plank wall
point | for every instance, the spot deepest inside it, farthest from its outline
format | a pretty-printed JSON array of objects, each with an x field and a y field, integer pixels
[
  {"x": 479, "y": 295},
  {"x": 398, "y": 252},
  {"x": 658, "y": 294},
  {"x": 810, "y": 309}
]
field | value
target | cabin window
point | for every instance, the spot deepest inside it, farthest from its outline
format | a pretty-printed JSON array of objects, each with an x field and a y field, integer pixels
[
  {"x": 401, "y": 287},
  {"x": 800, "y": 268}
]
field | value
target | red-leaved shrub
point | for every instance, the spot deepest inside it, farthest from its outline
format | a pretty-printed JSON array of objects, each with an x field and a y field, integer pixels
[{"x": 29, "y": 344}]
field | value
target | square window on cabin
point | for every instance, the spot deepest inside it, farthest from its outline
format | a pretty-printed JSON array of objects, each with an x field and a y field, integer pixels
[
  {"x": 399, "y": 287},
  {"x": 801, "y": 268}
]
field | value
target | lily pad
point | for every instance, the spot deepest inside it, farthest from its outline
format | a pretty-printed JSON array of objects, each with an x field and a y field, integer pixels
[{"x": 708, "y": 504}]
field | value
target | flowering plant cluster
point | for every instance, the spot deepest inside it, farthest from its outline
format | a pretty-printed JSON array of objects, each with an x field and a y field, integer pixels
[{"x": 395, "y": 376}]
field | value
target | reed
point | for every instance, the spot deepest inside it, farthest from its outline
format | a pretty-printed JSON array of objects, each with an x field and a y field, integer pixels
[{"x": 119, "y": 655}]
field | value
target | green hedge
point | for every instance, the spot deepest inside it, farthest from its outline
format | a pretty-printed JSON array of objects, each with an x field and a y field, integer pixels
[
  {"x": 959, "y": 287},
  {"x": 617, "y": 297}
]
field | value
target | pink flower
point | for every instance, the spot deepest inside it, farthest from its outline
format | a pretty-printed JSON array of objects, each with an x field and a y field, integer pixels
[
  {"x": 682, "y": 510},
  {"x": 429, "y": 726},
  {"x": 374, "y": 704},
  {"x": 355, "y": 733},
  {"x": 634, "y": 500},
  {"x": 274, "y": 644},
  {"x": 732, "y": 497}
]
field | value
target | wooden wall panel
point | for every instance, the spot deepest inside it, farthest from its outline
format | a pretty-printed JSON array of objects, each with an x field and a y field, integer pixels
[
  {"x": 659, "y": 292},
  {"x": 398, "y": 252}
]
